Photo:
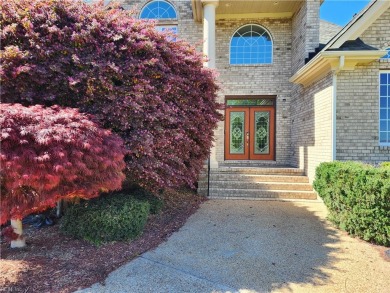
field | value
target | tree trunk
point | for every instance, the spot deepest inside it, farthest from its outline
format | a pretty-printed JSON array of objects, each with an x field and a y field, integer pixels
[
  {"x": 18, "y": 229},
  {"x": 59, "y": 209}
]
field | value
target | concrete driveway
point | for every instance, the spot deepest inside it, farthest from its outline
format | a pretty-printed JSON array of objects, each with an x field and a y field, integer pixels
[{"x": 256, "y": 246}]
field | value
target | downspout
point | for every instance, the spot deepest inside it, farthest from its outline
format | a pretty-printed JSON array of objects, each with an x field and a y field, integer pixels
[
  {"x": 341, "y": 64},
  {"x": 334, "y": 107},
  {"x": 334, "y": 117}
]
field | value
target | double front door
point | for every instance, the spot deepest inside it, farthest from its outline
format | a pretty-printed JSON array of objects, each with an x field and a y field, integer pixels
[{"x": 250, "y": 133}]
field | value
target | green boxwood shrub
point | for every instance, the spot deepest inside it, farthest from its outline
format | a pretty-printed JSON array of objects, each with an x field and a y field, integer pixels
[
  {"x": 108, "y": 218},
  {"x": 357, "y": 197},
  {"x": 156, "y": 205},
  {"x": 385, "y": 165}
]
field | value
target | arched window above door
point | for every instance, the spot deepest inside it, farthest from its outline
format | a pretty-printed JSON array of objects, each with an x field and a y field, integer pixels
[
  {"x": 251, "y": 44},
  {"x": 164, "y": 12},
  {"x": 158, "y": 9}
]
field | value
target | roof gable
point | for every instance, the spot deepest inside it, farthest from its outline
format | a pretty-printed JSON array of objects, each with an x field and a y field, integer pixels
[
  {"x": 359, "y": 23},
  {"x": 345, "y": 50}
]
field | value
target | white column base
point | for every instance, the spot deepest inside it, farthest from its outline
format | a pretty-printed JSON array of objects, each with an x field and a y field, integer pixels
[
  {"x": 214, "y": 165},
  {"x": 213, "y": 158},
  {"x": 18, "y": 243}
]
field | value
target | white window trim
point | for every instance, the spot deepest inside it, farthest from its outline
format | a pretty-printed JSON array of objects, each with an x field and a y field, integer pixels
[
  {"x": 381, "y": 144},
  {"x": 388, "y": 53},
  {"x": 168, "y": 26},
  {"x": 160, "y": 26}
]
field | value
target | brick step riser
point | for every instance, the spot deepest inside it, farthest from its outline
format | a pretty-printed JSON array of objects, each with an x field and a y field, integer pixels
[
  {"x": 257, "y": 186},
  {"x": 255, "y": 178},
  {"x": 236, "y": 193}
]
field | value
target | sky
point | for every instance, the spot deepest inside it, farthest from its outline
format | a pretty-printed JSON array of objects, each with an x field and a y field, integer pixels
[{"x": 341, "y": 11}]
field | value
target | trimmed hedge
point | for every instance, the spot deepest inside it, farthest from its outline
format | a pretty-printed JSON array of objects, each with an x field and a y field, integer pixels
[
  {"x": 357, "y": 197},
  {"x": 108, "y": 218},
  {"x": 156, "y": 204},
  {"x": 385, "y": 165}
]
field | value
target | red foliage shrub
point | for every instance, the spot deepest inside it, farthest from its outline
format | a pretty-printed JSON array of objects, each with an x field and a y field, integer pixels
[
  {"x": 9, "y": 234},
  {"x": 52, "y": 153},
  {"x": 153, "y": 92}
]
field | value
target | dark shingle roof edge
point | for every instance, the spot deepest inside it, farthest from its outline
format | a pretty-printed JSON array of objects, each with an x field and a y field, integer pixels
[{"x": 356, "y": 45}]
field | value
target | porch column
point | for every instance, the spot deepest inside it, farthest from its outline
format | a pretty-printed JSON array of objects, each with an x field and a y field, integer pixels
[{"x": 209, "y": 7}]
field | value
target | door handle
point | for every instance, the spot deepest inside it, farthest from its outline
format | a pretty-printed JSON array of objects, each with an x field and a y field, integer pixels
[{"x": 247, "y": 138}]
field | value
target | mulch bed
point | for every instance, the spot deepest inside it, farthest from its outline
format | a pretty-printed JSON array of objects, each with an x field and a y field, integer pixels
[{"x": 52, "y": 262}]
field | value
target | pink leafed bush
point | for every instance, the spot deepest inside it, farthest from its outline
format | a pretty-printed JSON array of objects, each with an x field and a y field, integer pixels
[
  {"x": 153, "y": 92},
  {"x": 53, "y": 153}
]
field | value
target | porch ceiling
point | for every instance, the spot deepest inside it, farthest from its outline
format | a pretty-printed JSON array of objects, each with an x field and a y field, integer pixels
[
  {"x": 249, "y": 8},
  {"x": 256, "y": 6}
]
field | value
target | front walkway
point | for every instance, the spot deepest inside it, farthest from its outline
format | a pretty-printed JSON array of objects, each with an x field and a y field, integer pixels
[{"x": 255, "y": 246}]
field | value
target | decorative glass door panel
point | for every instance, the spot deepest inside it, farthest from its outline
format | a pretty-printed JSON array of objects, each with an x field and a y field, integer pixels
[
  {"x": 237, "y": 122},
  {"x": 261, "y": 139},
  {"x": 262, "y": 133},
  {"x": 250, "y": 133},
  {"x": 237, "y": 133}
]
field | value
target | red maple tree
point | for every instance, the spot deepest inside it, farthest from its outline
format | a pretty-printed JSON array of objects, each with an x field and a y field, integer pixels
[
  {"x": 150, "y": 90},
  {"x": 53, "y": 153}
]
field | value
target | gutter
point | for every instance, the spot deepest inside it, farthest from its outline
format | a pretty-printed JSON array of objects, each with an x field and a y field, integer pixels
[
  {"x": 326, "y": 61},
  {"x": 360, "y": 54}
]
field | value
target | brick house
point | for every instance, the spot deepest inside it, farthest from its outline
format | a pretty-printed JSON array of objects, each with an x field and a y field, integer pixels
[{"x": 298, "y": 91}]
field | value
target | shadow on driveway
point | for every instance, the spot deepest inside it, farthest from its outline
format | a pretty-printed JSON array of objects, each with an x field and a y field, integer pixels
[{"x": 255, "y": 246}]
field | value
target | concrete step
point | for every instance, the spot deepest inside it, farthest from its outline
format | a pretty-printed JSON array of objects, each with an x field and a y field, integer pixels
[
  {"x": 250, "y": 163},
  {"x": 258, "y": 171},
  {"x": 257, "y": 185},
  {"x": 266, "y": 182},
  {"x": 254, "y": 178},
  {"x": 257, "y": 194}
]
